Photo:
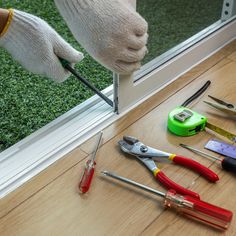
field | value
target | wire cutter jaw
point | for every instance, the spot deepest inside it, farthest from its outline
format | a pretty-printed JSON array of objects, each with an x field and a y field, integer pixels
[
  {"x": 141, "y": 151},
  {"x": 134, "y": 147}
]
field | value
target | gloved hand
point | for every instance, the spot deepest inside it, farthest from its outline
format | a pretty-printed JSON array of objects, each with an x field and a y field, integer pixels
[
  {"x": 110, "y": 30},
  {"x": 36, "y": 46}
]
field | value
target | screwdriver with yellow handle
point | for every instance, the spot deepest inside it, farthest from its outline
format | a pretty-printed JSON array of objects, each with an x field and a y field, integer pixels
[{"x": 191, "y": 207}]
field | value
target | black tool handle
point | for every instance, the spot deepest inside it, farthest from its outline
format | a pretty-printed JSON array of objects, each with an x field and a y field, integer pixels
[
  {"x": 197, "y": 94},
  {"x": 229, "y": 164}
]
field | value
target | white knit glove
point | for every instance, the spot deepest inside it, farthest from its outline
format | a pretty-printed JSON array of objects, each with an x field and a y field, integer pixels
[
  {"x": 110, "y": 30},
  {"x": 36, "y": 46}
]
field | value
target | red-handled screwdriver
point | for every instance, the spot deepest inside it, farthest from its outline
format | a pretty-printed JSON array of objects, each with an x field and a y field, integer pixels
[
  {"x": 87, "y": 177},
  {"x": 194, "y": 208}
]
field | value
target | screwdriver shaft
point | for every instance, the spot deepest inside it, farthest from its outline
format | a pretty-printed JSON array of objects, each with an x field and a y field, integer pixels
[
  {"x": 97, "y": 146},
  {"x": 200, "y": 152},
  {"x": 67, "y": 66},
  {"x": 131, "y": 182}
]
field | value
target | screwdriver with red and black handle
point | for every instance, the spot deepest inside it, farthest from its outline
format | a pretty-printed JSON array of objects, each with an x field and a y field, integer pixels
[
  {"x": 191, "y": 207},
  {"x": 227, "y": 163}
]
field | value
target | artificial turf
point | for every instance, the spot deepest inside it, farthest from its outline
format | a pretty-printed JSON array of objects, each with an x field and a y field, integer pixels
[{"x": 29, "y": 102}]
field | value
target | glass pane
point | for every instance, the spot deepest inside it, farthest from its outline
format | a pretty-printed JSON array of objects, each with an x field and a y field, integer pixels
[
  {"x": 29, "y": 102},
  {"x": 174, "y": 21}
]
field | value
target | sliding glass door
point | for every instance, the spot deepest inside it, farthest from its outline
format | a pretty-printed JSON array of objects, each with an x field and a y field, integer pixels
[
  {"x": 171, "y": 22},
  {"x": 181, "y": 34}
]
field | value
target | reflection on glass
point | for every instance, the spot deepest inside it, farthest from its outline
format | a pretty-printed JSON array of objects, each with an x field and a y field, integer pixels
[{"x": 173, "y": 21}]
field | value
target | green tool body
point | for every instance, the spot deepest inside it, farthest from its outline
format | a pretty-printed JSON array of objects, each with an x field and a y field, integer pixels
[{"x": 185, "y": 122}]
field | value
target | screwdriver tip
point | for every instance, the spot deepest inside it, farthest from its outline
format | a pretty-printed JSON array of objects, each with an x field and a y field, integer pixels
[
  {"x": 182, "y": 145},
  {"x": 104, "y": 172}
]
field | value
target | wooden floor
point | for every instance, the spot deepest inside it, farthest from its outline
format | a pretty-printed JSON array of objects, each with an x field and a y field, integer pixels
[{"x": 50, "y": 204}]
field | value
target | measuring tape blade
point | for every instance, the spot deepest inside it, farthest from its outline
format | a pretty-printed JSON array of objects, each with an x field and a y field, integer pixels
[
  {"x": 227, "y": 134},
  {"x": 221, "y": 148}
]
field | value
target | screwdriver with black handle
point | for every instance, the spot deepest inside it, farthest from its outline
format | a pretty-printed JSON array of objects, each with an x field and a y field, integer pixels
[
  {"x": 191, "y": 207},
  {"x": 67, "y": 66},
  {"x": 227, "y": 163}
]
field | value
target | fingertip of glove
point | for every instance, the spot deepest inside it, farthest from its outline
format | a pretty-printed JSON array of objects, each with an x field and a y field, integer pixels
[
  {"x": 59, "y": 75},
  {"x": 59, "y": 79},
  {"x": 75, "y": 57},
  {"x": 80, "y": 56}
]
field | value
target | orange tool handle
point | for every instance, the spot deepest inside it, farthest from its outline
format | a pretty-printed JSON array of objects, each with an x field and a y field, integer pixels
[
  {"x": 87, "y": 176},
  {"x": 169, "y": 184},
  {"x": 196, "y": 166},
  {"x": 204, "y": 212}
]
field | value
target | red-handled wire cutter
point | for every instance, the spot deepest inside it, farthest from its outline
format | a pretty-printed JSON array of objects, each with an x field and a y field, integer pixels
[{"x": 147, "y": 155}]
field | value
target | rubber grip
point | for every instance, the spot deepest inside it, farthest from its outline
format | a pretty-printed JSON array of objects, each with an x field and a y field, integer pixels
[
  {"x": 196, "y": 166},
  {"x": 169, "y": 184},
  {"x": 229, "y": 164}
]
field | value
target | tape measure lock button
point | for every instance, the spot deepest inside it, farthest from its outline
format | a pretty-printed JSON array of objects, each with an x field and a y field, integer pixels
[{"x": 183, "y": 115}]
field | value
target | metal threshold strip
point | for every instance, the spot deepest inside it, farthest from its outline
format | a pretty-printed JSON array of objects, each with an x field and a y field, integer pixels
[{"x": 36, "y": 152}]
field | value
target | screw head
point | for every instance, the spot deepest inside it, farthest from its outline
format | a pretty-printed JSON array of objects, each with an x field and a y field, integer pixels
[{"x": 143, "y": 148}]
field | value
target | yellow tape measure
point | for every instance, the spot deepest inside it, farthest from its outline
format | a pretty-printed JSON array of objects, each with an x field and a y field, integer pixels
[{"x": 221, "y": 131}]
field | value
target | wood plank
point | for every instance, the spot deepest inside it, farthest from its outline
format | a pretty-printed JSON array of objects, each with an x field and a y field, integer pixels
[
  {"x": 59, "y": 210},
  {"x": 232, "y": 56},
  {"x": 38, "y": 182},
  {"x": 221, "y": 193}
]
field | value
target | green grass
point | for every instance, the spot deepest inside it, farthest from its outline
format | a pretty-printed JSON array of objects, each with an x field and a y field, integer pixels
[{"x": 29, "y": 102}]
